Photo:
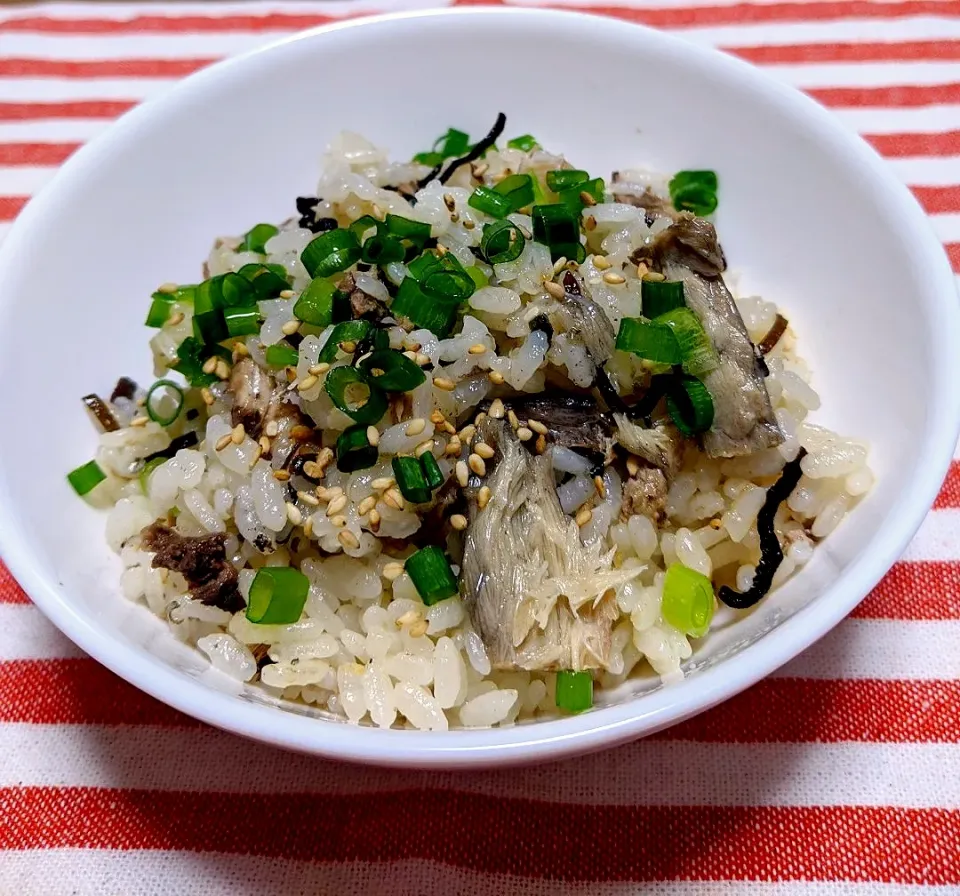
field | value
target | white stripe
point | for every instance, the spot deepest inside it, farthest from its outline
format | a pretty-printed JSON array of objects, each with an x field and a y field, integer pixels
[
  {"x": 938, "y": 537},
  {"x": 143, "y": 45},
  {"x": 927, "y": 171},
  {"x": 25, "y": 634},
  {"x": 947, "y": 227},
  {"x": 24, "y": 180},
  {"x": 674, "y": 773},
  {"x": 866, "y": 74},
  {"x": 20, "y": 90},
  {"x": 5, "y": 229},
  {"x": 52, "y": 130},
  {"x": 884, "y": 120},
  {"x": 882, "y": 649},
  {"x": 95, "y": 872},
  {"x": 853, "y": 31}
]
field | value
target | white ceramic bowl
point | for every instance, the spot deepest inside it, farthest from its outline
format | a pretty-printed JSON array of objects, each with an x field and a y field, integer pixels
[{"x": 809, "y": 214}]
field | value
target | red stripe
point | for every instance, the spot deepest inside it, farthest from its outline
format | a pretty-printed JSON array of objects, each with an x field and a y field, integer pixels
[
  {"x": 75, "y": 109},
  {"x": 36, "y": 153},
  {"x": 11, "y": 206},
  {"x": 925, "y": 591},
  {"x": 953, "y": 253},
  {"x": 946, "y": 143},
  {"x": 10, "y": 590},
  {"x": 938, "y": 199},
  {"x": 905, "y": 96},
  {"x": 105, "y": 68},
  {"x": 80, "y": 691},
  {"x": 663, "y": 18},
  {"x": 573, "y": 843},
  {"x": 892, "y": 51},
  {"x": 950, "y": 492}
]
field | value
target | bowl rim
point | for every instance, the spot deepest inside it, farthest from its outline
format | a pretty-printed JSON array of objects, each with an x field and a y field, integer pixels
[{"x": 603, "y": 726}]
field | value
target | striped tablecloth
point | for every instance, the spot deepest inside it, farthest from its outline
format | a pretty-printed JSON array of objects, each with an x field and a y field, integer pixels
[{"x": 839, "y": 775}]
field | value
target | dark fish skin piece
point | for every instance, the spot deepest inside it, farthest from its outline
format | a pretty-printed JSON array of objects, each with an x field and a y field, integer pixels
[
  {"x": 583, "y": 320},
  {"x": 572, "y": 421},
  {"x": 744, "y": 421}
]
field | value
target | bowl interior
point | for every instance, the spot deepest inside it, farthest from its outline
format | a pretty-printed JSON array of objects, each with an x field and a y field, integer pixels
[{"x": 805, "y": 215}]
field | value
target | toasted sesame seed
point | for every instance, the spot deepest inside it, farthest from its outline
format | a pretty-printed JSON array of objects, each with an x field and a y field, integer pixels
[
  {"x": 223, "y": 369},
  {"x": 207, "y": 396},
  {"x": 290, "y": 327},
  {"x": 272, "y": 428},
  {"x": 454, "y": 447},
  {"x": 448, "y": 427},
  {"x": 210, "y": 365},
  {"x": 495, "y": 377},
  {"x": 601, "y": 262},
  {"x": 584, "y": 515},
  {"x": 418, "y": 629},
  {"x": 264, "y": 444},
  {"x": 324, "y": 458},
  {"x": 443, "y": 383},
  {"x": 328, "y": 494},
  {"x": 468, "y": 224},
  {"x": 475, "y": 462},
  {"x": 281, "y": 475},
  {"x": 454, "y": 217},
  {"x": 442, "y": 250},
  {"x": 484, "y": 450},
  {"x": 366, "y": 505},
  {"x": 458, "y": 521},
  {"x": 463, "y": 473},
  {"x": 393, "y": 571},
  {"x": 393, "y": 498},
  {"x": 222, "y": 442},
  {"x": 479, "y": 169},
  {"x": 467, "y": 433},
  {"x": 377, "y": 211},
  {"x": 642, "y": 270},
  {"x": 312, "y": 470},
  {"x": 238, "y": 434},
  {"x": 512, "y": 418},
  {"x": 300, "y": 433},
  {"x": 383, "y": 483},
  {"x": 348, "y": 539},
  {"x": 587, "y": 199},
  {"x": 524, "y": 434},
  {"x": 654, "y": 276},
  {"x": 633, "y": 465},
  {"x": 423, "y": 448},
  {"x": 338, "y": 522},
  {"x": 374, "y": 520},
  {"x": 613, "y": 279},
  {"x": 308, "y": 382},
  {"x": 139, "y": 421},
  {"x": 348, "y": 346},
  {"x": 415, "y": 426},
  {"x": 477, "y": 421},
  {"x": 411, "y": 616},
  {"x": 716, "y": 523},
  {"x": 598, "y": 484},
  {"x": 483, "y": 497},
  {"x": 538, "y": 427},
  {"x": 559, "y": 263},
  {"x": 293, "y": 514},
  {"x": 336, "y": 505},
  {"x": 308, "y": 498},
  {"x": 555, "y": 289},
  {"x": 167, "y": 287},
  {"x": 436, "y": 417},
  {"x": 478, "y": 348},
  {"x": 589, "y": 223},
  {"x": 423, "y": 360},
  {"x": 497, "y": 410},
  {"x": 317, "y": 369},
  {"x": 541, "y": 444},
  {"x": 449, "y": 201},
  {"x": 308, "y": 526},
  {"x": 175, "y": 318},
  {"x": 573, "y": 266},
  {"x": 412, "y": 355},
  {"x": 373, "y": 435}
]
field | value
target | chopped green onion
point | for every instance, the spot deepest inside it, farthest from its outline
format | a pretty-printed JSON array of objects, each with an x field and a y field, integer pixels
[
  {"x": 518, "y": 190},
  {"x": 254, "y": 240},
  {"x": 490, "y": 202},
  {"x": 688, "y": 600},
  {"x": 430, "y": 572},
  {"x": 382, "y": 250},
  {"x": 160, "y": 309},
  {"x": 86, "y": 478},
  {"x": 502, "y": 242},
  {"x": 267, "y": 280},
  {"x": 191, "y": 353},
  {"x": 697, "y": 353},
  {"x": 452, "y": 143},
  {"x": 477, "y": 276},
  {"x": 150, "y": 403},
  {"x": 572, "y": 197},
  {"x": 330, "y": 253},
  {"x": 430, "y": 159},
  {"x": 690, "y": 405},
  {"x": 423, "y": 265},
  {"x": 448, "y": 286},
  {"x": 406, "y": 229},
  {"x": 236, "y": 291},
  {"x": 280, "y": 355},
  {"x": 660, "y": 296},
  {"x": 558, "y": 228},
  {"x": 346, "y": 331},
  {"x": 354, "y": 451},
  {"x": 277, "y": 595},
  {"x": 411, "y": 479},
  {"x": 315, "y": 305},
  {"x": 431, "y": 470},
  {"x": 525, "y": 143},
  {"x": 574, "y": 690},
  {"x": 148, "y": 467},
  {"x": 564, "y": 178},
  {"x": 362, "y": 226},
  {"x": 420, "y": 309},
  {"x": 242, "y": 321},
  {"x": 351, "y": 391},
  {"x": 694, "y": 191},
  {"x": 650, "y": 341},
  {"x": 397, "y": 372}
]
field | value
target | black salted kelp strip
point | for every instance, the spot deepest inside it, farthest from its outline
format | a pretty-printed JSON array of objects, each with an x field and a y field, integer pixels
[
  {"x": 478, "y": 150},
  {"x": 769, "y": 342},
  {"x": 771, "y": 554}
]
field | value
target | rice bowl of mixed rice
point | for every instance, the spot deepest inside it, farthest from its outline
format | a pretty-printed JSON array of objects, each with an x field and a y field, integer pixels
[{"x": 477, "y": 436}]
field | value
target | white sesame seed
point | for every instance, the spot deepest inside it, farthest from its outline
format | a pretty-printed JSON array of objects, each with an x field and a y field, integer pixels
[
  {"x": 393, "y": 498},
  {"x": 458, "y": 521},
  {"x": 559, "y": 263},
  {"x": 600, "y": 486},
  {"x": 167, "y": 287},
  {"x": 348, "y": 539},
  {"x": 415, "y": 426},
  {"x": 272, "y": 428},
  {"x": 478, "y": 348},
  {"x": 336, "y": 505},
  {"x": 497, "y": 410},
  {"x": 475, "y": 462},
  {"x": 281, "y": 475},
  {"x": 600, "y": 262},
  {"x": 308, "y": 382},
  {"x": 308, "y": 498},
  {"x": 555, "y": 289},
  {"x": 484, "y": 450},
  {"x": 175, "y": 318},
  {"x": 374, "y": 520},
  {"x": 366, "y": 505},
  {"x": 613, "y": 279},
  {"x": 411, "y": 616},
  {"x": 423, "y": 448},
  {"x": 207, "y": 396},
  {"x": 384, "y": 482},
  {"x": 393, "y": 571},
  {"x": 317, "y": 369},
  {"x": 222, "y": 442},
  {"x": 373, "y": 435},
  {"x": 538, "y": 427},
  {"x": 483, "y": 497},
  {"x": 463, "y": 474},
  {"x": 210, "y": 365},
  {"x": 418, "y": 629},
  {"x": 338, "y": 522},
  {"x": 443, "y": 383},
  {"x": 287, "y": 293},
  {"x": 293, "y": 514},
  {"x": 512, "y": 417},
  {"x": 495, "y": 377},
  {"x": 524, "y": 434},
  {"x": 223, "y": 369},
  {"x": 453, "y": 447},
  {"x": 584, "y": 515},
  {"x": 654, "y": 276},
  {"x": 423, "y": 360}
]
